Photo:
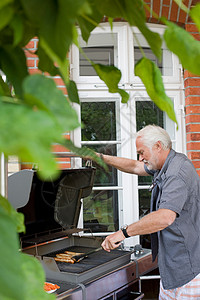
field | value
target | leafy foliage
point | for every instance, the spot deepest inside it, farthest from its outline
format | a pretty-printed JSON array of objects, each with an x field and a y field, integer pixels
[
  {"x": 111, "y": 76},
  {"x": 21, "y": 276},
  {"x": 186, "y": 43},
  {"x": 150, "y": 75},
  {"x": 34, "y": 114}
]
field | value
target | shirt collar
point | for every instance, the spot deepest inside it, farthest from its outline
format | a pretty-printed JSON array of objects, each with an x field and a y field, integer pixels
[{"x": 159, "y": 174}]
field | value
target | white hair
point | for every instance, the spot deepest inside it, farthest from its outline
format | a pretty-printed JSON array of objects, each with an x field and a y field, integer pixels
[{"x": 151, "y": 134}]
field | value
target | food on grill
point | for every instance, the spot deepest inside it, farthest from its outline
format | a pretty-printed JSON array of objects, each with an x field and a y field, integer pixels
[
  {"x": 63, "y": 255},
  {"x": 72, "y": 253},
  {"x": 50, "y": 286},
  {"x": 66, "y": 257},
  {"x": 67, "y": 260}
]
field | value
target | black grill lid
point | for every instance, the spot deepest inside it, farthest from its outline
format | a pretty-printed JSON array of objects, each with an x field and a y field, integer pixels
[
  {"x": 72, "y": 187},
  {"x": 52, "y": 204}
]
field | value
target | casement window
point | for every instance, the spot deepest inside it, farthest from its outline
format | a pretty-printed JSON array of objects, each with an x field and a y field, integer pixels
[{"x": 109, "y": 126}]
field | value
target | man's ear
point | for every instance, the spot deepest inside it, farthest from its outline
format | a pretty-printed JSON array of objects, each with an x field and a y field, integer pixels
[{"x": 159, "y": 145}]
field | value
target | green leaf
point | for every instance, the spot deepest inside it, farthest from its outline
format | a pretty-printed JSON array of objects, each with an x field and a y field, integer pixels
[
  {"x": 45, "y": 63},
  {"x": 110, "y": 20},
  {"x": 3, "y": 3},
  {"x": 195, "y": 14},
  {"x": 151, "y": 76},
  {"x": 11, "y": 276},
  {"x": 43, "y": 92},
  {"x": 73, "y": 92},
  {"x": 17, "y": 25},
  {"x": 18, "y": 218},
  {"x": 182, "y": 5},
  {"x": 35, "y": 278},
  {"x": 183, "y": 44},
  {"x": 6, "y": 14},
  {"x": 133, "y": 12},
  {"x": 111, "y": 76},
  {"x": 4, "y": 88},
  {"x": 55, "y": 21},
  {"x": 62, "y": 64},
  {"x": 13, "y": 64},
  {"x": 84, "y": 152},
  {"x": 34, "y": 133},
  {"x": 89, "y": 21}
]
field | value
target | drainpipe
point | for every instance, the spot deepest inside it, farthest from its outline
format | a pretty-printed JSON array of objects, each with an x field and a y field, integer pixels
[{"x": 3, "y": 176}]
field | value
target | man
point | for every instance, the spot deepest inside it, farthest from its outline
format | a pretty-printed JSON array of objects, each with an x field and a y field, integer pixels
[{"x": 174, "y": 220}]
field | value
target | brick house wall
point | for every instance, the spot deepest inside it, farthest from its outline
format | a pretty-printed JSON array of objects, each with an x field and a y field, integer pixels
[
  {"x": 192, "y": 108},
  {"x": 172, "y": 12}
]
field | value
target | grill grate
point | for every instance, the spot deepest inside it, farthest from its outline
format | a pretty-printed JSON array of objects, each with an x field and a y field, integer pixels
[{"x": 92, "y": 261}]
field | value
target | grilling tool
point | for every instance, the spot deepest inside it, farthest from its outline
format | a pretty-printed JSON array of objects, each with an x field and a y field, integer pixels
[{"x": 77, "y": 258}]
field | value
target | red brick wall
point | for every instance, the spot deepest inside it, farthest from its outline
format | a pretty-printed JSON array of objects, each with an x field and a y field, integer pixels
[
  {"x": 192, "y": 108},
  {"x": 172, "y": 12}
]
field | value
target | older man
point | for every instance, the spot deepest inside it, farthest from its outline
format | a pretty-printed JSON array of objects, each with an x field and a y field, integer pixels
[{"x": 174, "y": 220}]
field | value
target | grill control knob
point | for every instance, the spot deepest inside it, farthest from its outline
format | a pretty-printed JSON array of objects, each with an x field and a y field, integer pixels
[{"x": 138, "y": 249}]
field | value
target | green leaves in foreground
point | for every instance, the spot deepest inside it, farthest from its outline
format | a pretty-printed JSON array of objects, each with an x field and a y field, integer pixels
[
  {"x": 37, "y": 124},
  {"x": 111, "y": 76},
  {"x": 85, "y": 152},
  {"x": 21, "y": 276},
  {"x": 184, "y": 45},
  {"x": 152, "y": 79},
  {"x": 195, "y": 14},
  {"x": 42, "y": 92},
  {"x": 18, "y": 218},
  {"x": 35, "y": 278},
  {"x": 11, "y": 286}
]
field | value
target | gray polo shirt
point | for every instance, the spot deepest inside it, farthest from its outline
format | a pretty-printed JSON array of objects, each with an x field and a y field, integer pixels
[{"x": 179, "y": 244}]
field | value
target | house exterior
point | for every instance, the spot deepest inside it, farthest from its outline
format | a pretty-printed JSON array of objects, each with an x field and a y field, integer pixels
[{"x": 119, "y": 198}]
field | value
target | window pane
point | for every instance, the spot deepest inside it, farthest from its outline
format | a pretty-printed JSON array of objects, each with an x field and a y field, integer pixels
[
  {"x": 144, "y": 209},
  {"x": 149, "y": 54},
  {"x": 99, "y": 55},
  {"x": 148, "y": 113},
  {"x": 100, "y": 211},
  {"x": 165, "y": 64},
  {"x": 103, "y": 177},
  {"x": 144, "y": 202},
  {"x": 99, "y": 120}
]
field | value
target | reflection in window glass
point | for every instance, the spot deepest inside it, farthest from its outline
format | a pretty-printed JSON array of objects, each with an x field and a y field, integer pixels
[
  {"x": 99, "y": 55},
  {"x": 148, "y": 113},
  {"x": 144, "y": 209},
  {"x": 144, "y": 201},
  {"x": 100, "y": 208},
  {"x": 101, "y": 211},
  {"x": 99, "y": 121},
  {"x": 104, "y": 177},
  {"x": 149, "y": 54},
  {"x": 165, "y": 64}
]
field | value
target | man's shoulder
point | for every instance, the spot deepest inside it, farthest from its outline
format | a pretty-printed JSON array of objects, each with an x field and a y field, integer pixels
[{"x": 180, "y": 165}]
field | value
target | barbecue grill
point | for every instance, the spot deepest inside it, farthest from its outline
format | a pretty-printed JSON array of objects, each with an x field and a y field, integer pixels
[{"x": 51, "y": 209}]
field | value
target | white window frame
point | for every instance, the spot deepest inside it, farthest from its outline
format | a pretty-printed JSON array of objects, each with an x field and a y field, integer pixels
[
  {"x": 94, "y": 82},
  {"x": 175, "y": 61}
]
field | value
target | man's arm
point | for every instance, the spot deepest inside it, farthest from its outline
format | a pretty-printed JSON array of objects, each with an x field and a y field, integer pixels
[
  {"x": 153, "y": 222},
  {"x": 124, "y": 164}
]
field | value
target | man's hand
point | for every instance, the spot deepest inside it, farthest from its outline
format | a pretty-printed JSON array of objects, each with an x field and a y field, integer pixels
[{"x": 112, "y": 241}]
